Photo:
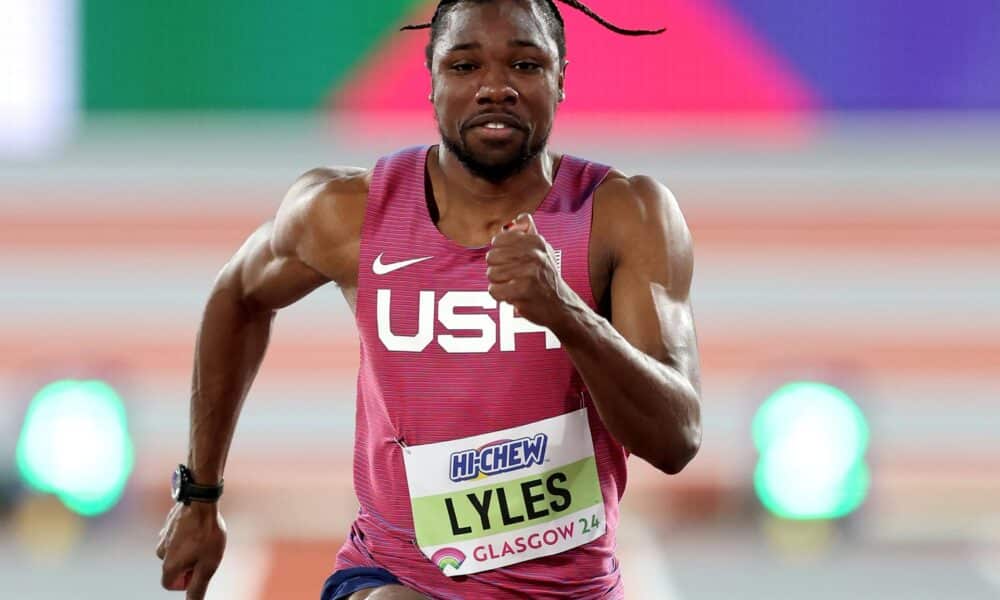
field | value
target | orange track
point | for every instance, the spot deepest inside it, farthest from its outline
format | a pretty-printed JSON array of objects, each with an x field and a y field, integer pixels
[
  {"x": 169, "y": 356},
  {"x": 89, "y": 231}
]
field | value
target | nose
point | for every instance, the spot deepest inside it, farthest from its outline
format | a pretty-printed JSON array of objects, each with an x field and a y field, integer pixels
[{"x": 495, "y": 88}]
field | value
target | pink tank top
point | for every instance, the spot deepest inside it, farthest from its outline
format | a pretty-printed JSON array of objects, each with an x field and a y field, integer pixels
[{"x": 422, "y": 382}]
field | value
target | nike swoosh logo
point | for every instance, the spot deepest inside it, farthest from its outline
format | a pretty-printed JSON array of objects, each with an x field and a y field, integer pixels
[{"x": 380, "y": 268}]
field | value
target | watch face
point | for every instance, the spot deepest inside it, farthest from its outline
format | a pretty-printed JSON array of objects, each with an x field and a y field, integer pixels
[{"x": 175, "y": 484}]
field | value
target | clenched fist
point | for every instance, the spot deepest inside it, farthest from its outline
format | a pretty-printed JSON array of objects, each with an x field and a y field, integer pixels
[
  {"x": 191, "y": 547},
  {"x": 522, "y": 271}
]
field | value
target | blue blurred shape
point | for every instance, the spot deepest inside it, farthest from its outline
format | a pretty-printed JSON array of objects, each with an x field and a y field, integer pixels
[{"x": 887, "y": 54}]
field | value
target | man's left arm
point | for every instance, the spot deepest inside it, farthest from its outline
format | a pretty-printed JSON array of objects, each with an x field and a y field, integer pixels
[{"x": 641, "y": 368}]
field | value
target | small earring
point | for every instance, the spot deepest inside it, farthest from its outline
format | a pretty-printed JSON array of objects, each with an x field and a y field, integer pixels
[{"x": 430, "y": 97}]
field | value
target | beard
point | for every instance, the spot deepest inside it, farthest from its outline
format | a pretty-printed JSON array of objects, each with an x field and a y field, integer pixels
[{"x": 494, "y": 170}]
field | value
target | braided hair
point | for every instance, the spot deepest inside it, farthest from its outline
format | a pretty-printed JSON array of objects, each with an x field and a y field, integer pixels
[{"x": 552, "y": 16}]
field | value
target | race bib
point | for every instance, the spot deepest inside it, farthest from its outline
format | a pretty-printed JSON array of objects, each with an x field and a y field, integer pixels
[{"x": 501, "y": 498}]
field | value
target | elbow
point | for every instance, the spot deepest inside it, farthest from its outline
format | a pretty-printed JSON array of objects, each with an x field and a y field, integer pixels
[{"x": 677, "y": 455}]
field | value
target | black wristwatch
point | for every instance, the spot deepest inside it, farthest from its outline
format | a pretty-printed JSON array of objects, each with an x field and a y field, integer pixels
[{"x": 185, "y": 490}]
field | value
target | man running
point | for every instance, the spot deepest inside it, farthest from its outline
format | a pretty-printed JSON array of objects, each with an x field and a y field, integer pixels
[{"x": 525, "y": 324}]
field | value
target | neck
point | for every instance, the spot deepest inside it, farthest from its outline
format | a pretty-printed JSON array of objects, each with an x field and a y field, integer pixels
[{"x": 464, "y": 196}]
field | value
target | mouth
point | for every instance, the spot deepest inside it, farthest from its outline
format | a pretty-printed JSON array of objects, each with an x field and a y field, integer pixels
[
  {"x": 495, "y": 132},
  {"x": 495, "y": 127}
]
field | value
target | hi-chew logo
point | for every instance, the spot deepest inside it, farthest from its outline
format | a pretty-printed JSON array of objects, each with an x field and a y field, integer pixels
[{"x": 497, "y": 457}]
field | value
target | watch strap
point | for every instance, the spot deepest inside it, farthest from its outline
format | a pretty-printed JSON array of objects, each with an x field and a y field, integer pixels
[
  {"x": 203, "y": 493},
  {"x": 188, "y": 491}
]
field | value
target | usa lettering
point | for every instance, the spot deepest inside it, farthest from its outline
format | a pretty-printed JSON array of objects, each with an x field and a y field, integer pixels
[
  {"x": 482, "y": 332},
  {"x": 498, "y": 458}
]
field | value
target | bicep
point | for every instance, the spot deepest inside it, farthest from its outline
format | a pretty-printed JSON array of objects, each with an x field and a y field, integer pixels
[
  {"x": 266, "y": 279},
  {"x": 651, "y": 282},
  {"x": 313, "y": 239}
]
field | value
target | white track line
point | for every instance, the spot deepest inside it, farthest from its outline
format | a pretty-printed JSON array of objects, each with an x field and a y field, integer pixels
[
  {"x": 644, "y": 565},
  {"x": 242, "y": 573}
]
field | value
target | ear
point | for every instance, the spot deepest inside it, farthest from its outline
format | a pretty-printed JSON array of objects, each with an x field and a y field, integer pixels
[
  {"x": 430, "y": 71},
  {"x": 562, "y": 80}
]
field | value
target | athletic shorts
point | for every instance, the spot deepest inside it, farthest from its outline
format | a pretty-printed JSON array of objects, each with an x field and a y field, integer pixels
[{"x": 345, "y": 582}]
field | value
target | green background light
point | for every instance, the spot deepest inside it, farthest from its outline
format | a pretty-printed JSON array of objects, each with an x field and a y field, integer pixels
[
  {"x": 812, "y": 439},
  {"x": 75, "y": 444}
]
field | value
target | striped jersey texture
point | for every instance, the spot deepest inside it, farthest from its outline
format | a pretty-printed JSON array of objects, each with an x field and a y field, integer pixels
[{"x": 412, "y": 390}]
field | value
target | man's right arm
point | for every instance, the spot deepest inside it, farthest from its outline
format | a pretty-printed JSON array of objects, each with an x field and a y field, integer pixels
[{"x": 314, "y": 239}]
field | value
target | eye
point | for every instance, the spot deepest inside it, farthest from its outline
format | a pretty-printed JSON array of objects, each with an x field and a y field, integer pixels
[
  {"x": 463, "y": 67},
  {"x": 525, "y": 65}
]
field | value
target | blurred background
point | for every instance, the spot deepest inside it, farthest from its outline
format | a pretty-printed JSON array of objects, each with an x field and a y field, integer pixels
[{"x": 839, "y": 166}]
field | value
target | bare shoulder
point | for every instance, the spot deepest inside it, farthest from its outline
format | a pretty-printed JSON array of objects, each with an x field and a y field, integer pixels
[
  {"x": 641, "y": 224},
  {"x": 627, "y": 203},
  {"x": 319, "y": 221}
]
